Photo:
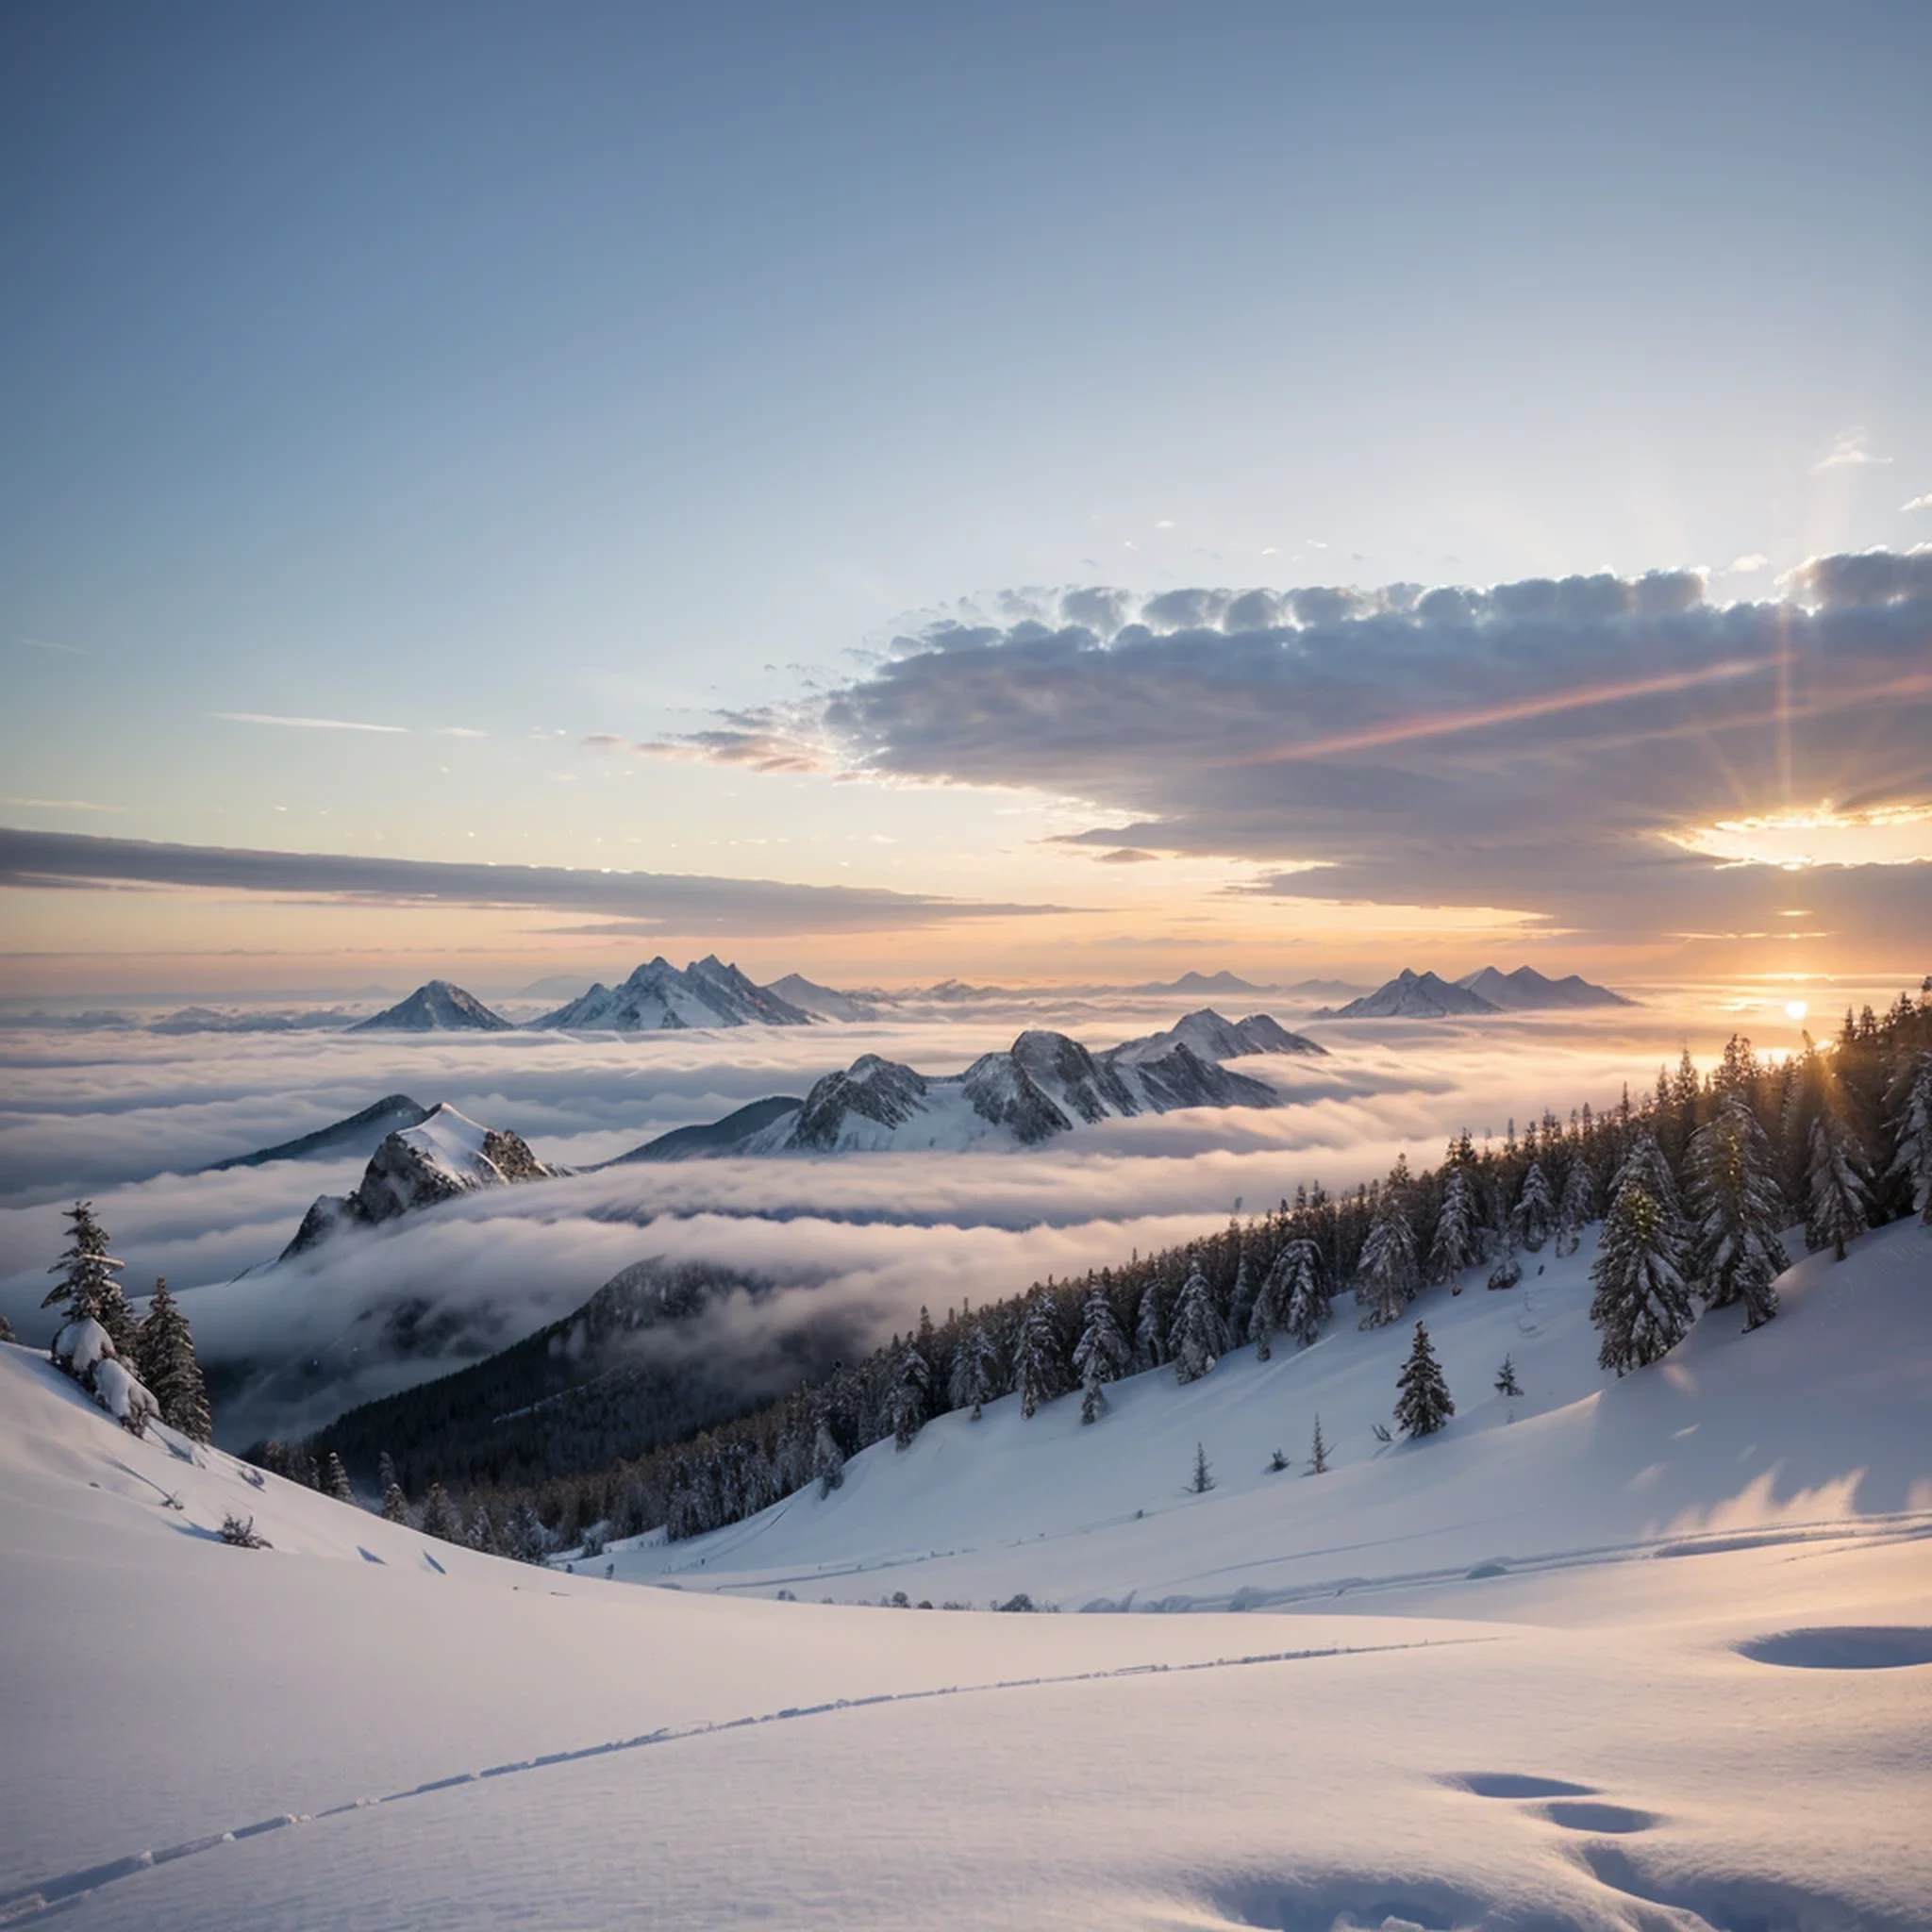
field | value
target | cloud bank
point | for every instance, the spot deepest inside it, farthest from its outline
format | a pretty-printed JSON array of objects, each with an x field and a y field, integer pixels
[{"x": 682, "y": 903}]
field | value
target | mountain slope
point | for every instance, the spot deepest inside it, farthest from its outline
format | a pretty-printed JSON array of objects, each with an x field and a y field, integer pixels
[
  {"x": 1412, "y": 996},
  {"x": 436, "y": 1007},
  {"x": 1209, "y": 1036},
  {"x": 360, "y": 1133},
  {"x": 1815, "y": 1417},
  {"x": 1045, "y": 1084},
  {"x": 446, "y": 1153},
  {"x": 658, "y": 998},
  {"x": 1526, "y": 991},
  {"x": 822, "y": 1002}
]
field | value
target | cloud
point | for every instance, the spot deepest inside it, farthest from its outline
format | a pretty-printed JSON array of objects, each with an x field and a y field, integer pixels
[
  {"x": 1918, "y": 503},
  {"x": 868, "y": 1238},
  {"x": 1526, "y": 745},
  {"x": 61, "y": 804},
  {"x": 682, "y": 903},
  {"x": 1850, "y": 450},
  {"x": 459, "y": 731},
  {"x": 1749, "y": 565},
  {"x": 48, "y": 644},
  {"x": 309, "y": 724}
]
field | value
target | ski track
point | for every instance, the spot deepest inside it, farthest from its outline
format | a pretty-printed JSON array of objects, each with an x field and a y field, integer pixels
[{"x": 70, "y": 1889}]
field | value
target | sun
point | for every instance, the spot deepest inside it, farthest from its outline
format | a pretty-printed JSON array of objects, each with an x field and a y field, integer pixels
[{"x": 1795, "y": 1009}]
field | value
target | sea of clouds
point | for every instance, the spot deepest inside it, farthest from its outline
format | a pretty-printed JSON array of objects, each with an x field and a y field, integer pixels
[{"x": 130, "y": 1120}]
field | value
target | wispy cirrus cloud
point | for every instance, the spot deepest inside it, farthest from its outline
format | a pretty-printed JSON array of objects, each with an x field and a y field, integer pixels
[
  {"x": 61, "y": 804},
  {"x": 680, "y": 903},
  {"x": 1852, "y": 450},
  {"x": 309, "y": 724}
]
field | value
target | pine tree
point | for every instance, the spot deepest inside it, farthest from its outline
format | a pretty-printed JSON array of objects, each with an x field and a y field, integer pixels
[
  {"x": 827, "y": 1458},
  {"x": 86, "y": 1291},
  {"x": 974, "y": 1379},
  {"x": 481, "y": 1534},
  {"x": 1385, "y": 1277},
  {"x": 1265, "y": 1317},
  {"x": 1641, "y": 1307},
  {"x": 1421, "y": 1402},
  {"x": 439, "y": 1517},
  {"x": 1198, "y": 1338},
  {"x": 912, "y": 1387},
  {"x": 1735, "y": 1212},
  {"x": 1318, "y": 1453},
  {"x": 1577, "y": 1207},
  {"x": 1535, "y": 1213},
  {"x": 385, "y": 1472},
  {"x": 1203, "y": 1479},
  {"x": 1839, "y": 1200},
  {"x": 1148, "y": 1350},
  {"x": 335, "y": 1479},
  {"x": 164, "y": 1359},
  {"x": 1913, "y": 1127},
  {"x": 1458, "y": 1240},
  {"x": 1305, "y": 1313},
  {"x": 1241, "y": 1305},
  {"x": 395, "y": 1506},
  {"x": 1101, "y": 1354},
  {"x": 1036, "y": 1355},
  {"x": 7, "y": 1333},
  {"x": 1506, "y": 1383}
]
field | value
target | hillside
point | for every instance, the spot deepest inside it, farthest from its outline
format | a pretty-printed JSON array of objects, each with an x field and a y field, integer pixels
[
  {"x": 362, "y": 1725},
  {"x": 1816, "y": 1418}
]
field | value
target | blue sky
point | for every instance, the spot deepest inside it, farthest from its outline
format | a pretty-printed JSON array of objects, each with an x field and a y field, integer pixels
[{"x": 578, "y": 371}]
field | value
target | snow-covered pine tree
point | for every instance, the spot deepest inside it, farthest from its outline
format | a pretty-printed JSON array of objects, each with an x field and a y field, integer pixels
[
  {"x": 439, "y": 1517},
  {"x": 1385, "y": 1277},
  {"x": 1577, "y": 1207},
  {"x": 1506, "y": 1383},
  {"x": 1199, "y": 1337},
  {"x": 87, "y": 1289},
  {"x": 1640, "y": 1306},
  {"x": 1149, "y": 1353},
  {"x": 1037, "y": 1356},
  {"x": 481, "y": 1534},
  {"x": 164, "y": 1356},
  {"x": 827, "y": 1458},
  {"x": 385, "y": 1472},
  {"x": 975, "y": 1370},
  {"x": 7, "y": 1333},
  {"x": 911, "y": 1390},
  {"x": 1203, "y": 1478},
  {"x": 1734, "y": 1210},
  {"x": 1318, "y": 1452},
  {"x": 1101, "y": 1354},
  {"x": 335, "y": 1479},
  {"x": 529, "y": 1542},
  {"x": 1840, "y": 1204},
  {"x": 1913, "y": 1127},
  {"x": 1265, "y": 1318},
  {"x": 1535, "y": 1212},
  {"x": 1240, "y": 1303},
  {"x": 1305, "y": 1312},
  {"x": 1458, "y": 1240},
  {"x": 1422, "y": 1403}
]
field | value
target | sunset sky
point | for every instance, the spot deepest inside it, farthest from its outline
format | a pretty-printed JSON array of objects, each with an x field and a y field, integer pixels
[{"x": 1054, "y": 493}]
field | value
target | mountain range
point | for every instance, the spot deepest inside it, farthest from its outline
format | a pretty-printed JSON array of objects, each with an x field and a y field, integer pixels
[
  {"x": 1044, "y": 1084},
  {"x": 659, "y": 998},
  {"x": 1428, "y": 997}
]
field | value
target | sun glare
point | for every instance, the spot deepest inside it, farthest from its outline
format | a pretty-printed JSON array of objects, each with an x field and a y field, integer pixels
[
  {"x": 1898, "y": 835},
  {"x": 1795, "y": 1009}
]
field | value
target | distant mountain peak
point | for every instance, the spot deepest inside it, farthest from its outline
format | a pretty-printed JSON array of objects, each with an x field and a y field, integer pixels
[
  {"x": 658, "y": 997},
  {"x": 437, "y": 1005}
]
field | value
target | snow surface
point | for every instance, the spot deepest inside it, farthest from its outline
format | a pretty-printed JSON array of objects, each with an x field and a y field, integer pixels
[{"x": 363, "y": 1728}]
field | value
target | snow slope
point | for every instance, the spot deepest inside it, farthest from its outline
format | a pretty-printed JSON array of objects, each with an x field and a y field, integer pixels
[
  {"x": 1819, "y": 1417},
  {"x": 361, "y": 1728}
]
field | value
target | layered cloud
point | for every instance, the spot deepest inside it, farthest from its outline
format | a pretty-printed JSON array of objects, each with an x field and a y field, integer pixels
[
  {"x": 1534, "y": 745},
  {"x": 682, "y": 903}
]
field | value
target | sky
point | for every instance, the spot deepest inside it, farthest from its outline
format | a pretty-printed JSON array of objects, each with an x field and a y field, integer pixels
[{"x": 1038, "y": 494}]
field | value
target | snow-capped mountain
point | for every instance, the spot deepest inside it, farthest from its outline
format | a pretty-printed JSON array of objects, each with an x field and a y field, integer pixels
[
  {"x": 437, "y": 1007},
  {"x": 820, "y": 1002},
  {"x": 360, "y": 1133},
  {"x": 1412, "y": 996},
  {"x": 1528, "y": 990},
  {"x": 658, "y": 997},
  {"x": 1207, "y": 1034},
  {"x": 1223, "y": 981},
  {"x": 446, "y": 1153},
  {"x": 1045, "y": 1084}
]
